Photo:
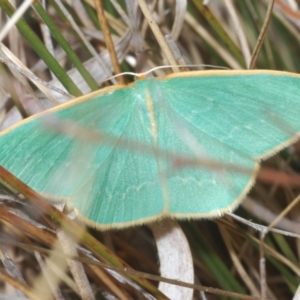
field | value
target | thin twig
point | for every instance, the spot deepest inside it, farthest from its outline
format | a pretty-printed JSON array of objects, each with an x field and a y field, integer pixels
[
  {"x": 108, "y": 40},
  {"x": 262, "y": 34}
]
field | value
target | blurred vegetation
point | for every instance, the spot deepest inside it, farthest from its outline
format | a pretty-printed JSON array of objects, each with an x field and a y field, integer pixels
[{"x": 61, "y": 44}]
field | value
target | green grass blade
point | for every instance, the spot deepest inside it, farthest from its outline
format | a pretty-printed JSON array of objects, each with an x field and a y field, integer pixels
[
  {"x": 210, "y": 18},
  {"x": 42, "y": 51},
  {"x": 213, "y": 262},
  {"x": 64, "y": 44}
]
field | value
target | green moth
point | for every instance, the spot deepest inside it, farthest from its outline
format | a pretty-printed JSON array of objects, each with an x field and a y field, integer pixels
[{"x": 231, "y": 117}]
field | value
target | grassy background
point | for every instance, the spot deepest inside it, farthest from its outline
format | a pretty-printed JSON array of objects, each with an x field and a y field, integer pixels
[{"x": 58, "y": 44}]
